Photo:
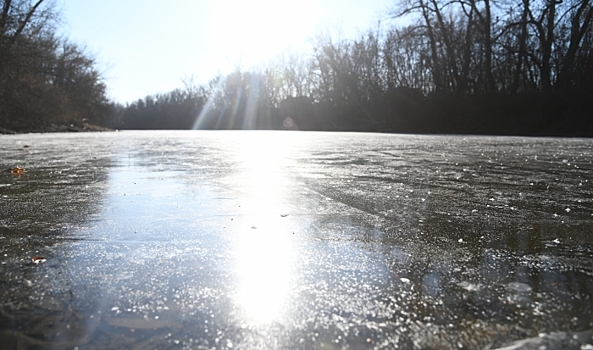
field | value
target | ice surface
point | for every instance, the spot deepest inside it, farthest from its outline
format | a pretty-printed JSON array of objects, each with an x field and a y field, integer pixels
[{"x": 267, "y": 240}]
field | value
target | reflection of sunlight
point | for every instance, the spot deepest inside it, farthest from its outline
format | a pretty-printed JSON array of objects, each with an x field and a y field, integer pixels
[
  {"x": 264, "y": 253},
  {"x": 264, "y": 262}
]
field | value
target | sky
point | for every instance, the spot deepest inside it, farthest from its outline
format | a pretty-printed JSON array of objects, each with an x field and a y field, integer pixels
[{"x": 145, "y": 47}]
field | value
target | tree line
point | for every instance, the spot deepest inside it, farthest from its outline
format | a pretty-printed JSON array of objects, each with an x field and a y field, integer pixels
[
  {"x": 460, "y": 66},
  {"x": 46, "y": 82}
]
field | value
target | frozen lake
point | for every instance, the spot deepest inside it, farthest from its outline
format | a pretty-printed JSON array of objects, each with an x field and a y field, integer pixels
[{"x": 295, "y": 240}]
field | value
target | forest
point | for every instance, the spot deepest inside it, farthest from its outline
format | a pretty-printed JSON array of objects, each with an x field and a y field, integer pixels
[
  {"x": 46, "y": 82},
  {"x": 512, "y": 67}
]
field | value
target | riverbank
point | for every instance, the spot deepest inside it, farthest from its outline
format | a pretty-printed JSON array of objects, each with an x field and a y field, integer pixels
[{"x": 82, "y": 127}]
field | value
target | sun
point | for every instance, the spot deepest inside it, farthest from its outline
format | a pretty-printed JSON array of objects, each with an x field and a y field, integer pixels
[{"x": 252, "y": 31}]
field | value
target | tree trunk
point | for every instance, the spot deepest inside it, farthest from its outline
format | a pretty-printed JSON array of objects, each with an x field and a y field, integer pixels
[
  {"x": 546, "y": 47},
  {"x": 521, "y": 52},
  {"x": 577, "y": 31},
  {"x": 436, "y": 68}
]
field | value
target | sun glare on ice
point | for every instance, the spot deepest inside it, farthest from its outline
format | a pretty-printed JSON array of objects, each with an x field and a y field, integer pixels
[{"x": 264, "y": 244}]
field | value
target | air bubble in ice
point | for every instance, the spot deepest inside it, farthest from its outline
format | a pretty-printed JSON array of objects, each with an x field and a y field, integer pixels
[{"x": 519, "y": 287}]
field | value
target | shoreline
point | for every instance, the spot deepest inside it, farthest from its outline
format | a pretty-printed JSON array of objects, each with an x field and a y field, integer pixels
[{"x": 58, "y": 128}]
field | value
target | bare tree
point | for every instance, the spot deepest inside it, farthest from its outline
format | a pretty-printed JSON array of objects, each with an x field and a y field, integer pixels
[{"x": 44, "y": 79}]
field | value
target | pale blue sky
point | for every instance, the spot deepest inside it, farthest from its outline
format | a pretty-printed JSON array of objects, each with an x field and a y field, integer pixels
[{"x": 148, "y": 46}]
